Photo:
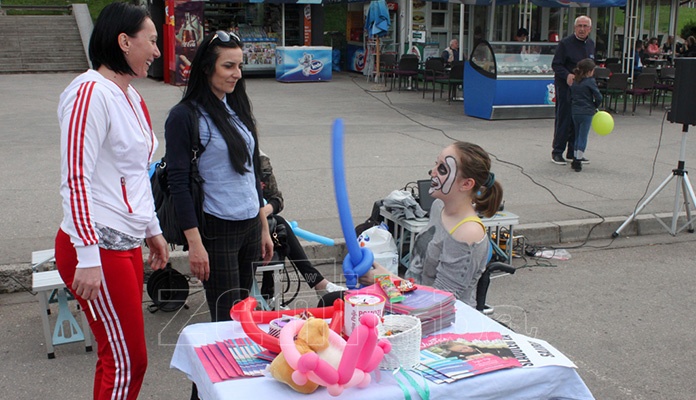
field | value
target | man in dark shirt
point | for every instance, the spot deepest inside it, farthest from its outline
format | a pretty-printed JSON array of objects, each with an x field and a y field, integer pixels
[{"x": 570, "y": 50}]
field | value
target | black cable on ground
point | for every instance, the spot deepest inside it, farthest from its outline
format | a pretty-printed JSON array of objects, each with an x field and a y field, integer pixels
[{"x": 531, "y": 178}]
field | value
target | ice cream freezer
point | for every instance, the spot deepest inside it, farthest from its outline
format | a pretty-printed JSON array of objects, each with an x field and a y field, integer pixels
[
  {"x": 303, "y": 64},
  {"x": 510, "y": 80}
]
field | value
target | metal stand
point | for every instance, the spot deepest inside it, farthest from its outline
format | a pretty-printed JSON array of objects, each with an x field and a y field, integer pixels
[{"x": 683, "y": 186}]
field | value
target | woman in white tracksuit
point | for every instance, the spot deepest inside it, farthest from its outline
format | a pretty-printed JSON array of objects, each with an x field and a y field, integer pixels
[{"x": 107, "y": 143}]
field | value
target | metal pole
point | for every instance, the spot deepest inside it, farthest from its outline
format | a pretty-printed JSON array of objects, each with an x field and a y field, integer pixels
[
  {"x": 674, "y": 12},
  {"x": 409, "y": 20},
  {"x": 462, "y": 7},
  {"x": 657, "y": 19},
  {"x": 642, "y": 19},
  {"x": 491, "y": 21},
  {"x": 611, "y": 30}
]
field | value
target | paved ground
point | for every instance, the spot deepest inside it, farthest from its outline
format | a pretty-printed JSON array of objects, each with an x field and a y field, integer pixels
[
  {"x": 391, "y": 139},
  {"x": 614, "y": 307}
]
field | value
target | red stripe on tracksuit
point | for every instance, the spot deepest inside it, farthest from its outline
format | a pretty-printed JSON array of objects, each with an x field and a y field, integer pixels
[
  {"x": 76, "y": 139},
  {"x": 143, "y": 106},
  {"x": 119, "y": 328}
]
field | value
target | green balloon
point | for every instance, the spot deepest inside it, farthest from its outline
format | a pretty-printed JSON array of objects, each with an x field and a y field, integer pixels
[{"x": 602, "y": 123}]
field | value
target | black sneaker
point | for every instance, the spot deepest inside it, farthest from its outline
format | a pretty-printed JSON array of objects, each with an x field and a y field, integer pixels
[
  {"x": 584, "y": 160},
  {"x": 558, "y": 159},
  {"x": 576, "y": 165}
]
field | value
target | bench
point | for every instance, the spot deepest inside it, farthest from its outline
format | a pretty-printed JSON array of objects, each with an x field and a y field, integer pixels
[{"x": 50, "y": 288}]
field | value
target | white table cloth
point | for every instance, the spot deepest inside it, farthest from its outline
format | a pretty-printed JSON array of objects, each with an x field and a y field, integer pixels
[{"x": 551, "y": 382}]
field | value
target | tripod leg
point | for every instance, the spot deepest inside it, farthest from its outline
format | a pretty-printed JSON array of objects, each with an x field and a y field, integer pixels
[
  {"x": 677, "y": 207},
  {"x": 642, "y": 205},
  {"x": 688, "y": 189}
]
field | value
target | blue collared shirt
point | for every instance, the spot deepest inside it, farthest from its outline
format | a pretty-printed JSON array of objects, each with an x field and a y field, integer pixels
[{"x": 228, "y": 195}]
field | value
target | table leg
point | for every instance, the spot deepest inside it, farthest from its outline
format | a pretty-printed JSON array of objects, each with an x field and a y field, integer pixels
[
  {"x": 509, "y": 246},
  {"x": 43, "y": 304}
]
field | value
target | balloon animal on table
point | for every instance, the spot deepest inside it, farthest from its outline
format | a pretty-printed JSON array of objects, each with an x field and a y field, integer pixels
[
  {"x": 244, "y": 313},
  {"x": 359, "y": 259},
  {"x": 315, "y": 356}
]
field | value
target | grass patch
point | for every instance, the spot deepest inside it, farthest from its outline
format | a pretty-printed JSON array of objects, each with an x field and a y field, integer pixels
[{"x": 686, "y": 15}]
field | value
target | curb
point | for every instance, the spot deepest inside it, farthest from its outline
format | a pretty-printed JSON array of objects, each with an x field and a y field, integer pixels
[{"x": 17, "y": 277}]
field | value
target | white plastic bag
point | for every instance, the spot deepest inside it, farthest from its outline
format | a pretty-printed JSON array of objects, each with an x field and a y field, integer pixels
[
  {"x": 380, "y": 241},
  {"x": 557, "y": 254}
]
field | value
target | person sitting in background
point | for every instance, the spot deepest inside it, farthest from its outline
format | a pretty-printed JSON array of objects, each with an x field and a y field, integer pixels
[
  {"x": 521, "y": 35},
  {"x": 653, "y": 48},
  {"x": 689, "y": 49},
  {"x": 638, "y": 58},
  {"x": 295, "y": 252},
  {"x": 669, "y": 47},
  {"x": 452, "y": 52},
  {"x": 668, "y": 44}
]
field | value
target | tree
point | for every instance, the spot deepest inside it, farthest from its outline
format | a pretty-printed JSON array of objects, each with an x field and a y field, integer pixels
[{"x": 689, "y": 29}]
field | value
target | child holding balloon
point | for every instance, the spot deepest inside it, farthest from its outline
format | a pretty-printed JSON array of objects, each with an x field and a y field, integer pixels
[{"x": 585, "y": 99}]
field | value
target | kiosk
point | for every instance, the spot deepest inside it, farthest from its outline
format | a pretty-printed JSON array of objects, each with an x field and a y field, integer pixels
[{"x": 510, "y": 80}]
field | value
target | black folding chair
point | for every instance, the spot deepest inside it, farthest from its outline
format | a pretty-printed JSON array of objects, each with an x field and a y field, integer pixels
[
  {"x": 407, "y": 68},
  {"x": 616, "y": 87},
  {"x": 643, "y": 86},
  {"x": 434, "y": 71}
]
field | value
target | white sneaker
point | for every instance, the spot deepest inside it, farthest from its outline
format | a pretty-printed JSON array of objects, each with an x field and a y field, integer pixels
[{"x": 330, "y": 287}]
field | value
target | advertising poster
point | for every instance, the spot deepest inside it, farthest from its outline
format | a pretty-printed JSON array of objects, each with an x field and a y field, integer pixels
[
  {"x": 355, "y": 56},
  {"x": 188, "y": 35},
  {"x": 307, "y": 25},
  {"x": 303, "y": 64}
]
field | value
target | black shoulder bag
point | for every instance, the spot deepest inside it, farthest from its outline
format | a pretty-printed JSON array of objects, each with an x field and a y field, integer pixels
[{"x": 164, "y": 205}]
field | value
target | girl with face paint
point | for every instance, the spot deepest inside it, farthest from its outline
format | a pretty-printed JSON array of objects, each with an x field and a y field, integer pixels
[{"x": 452, "y": 252}]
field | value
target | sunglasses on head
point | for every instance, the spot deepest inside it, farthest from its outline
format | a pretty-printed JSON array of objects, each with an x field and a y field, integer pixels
[{"x": 225, "y": 37}]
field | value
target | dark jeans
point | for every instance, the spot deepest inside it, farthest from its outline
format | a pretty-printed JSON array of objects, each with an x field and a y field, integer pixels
[
  {"x": 233, "y": 249},
  {"x": 564, "y": 132}
]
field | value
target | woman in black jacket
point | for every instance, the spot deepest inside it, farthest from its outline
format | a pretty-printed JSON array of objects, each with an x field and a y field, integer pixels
[{"x": 232, "y": 235}]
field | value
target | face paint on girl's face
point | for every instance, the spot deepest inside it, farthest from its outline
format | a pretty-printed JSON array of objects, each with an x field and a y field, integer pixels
[{"x": 444, "y": 175}]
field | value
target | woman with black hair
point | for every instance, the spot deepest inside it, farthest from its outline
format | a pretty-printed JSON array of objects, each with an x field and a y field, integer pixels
[
  {"x": 233, "y": 234},
  {"x": 107, "y": 143}
]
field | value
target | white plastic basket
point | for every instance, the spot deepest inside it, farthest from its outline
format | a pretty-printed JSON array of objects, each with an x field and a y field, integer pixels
[{"x": 405, "y": 351}]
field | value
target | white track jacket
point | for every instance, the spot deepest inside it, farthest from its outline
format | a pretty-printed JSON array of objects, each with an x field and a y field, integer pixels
[{"x": 106, "y": 146}]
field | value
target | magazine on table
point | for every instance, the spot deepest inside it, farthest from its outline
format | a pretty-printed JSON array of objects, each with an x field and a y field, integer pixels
[
  {"x": 426, "y": 303},
  {"x": 533, "y": 352},
  {"x": 457, "y": 356},
  {"x": 232, "y": 358}
]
